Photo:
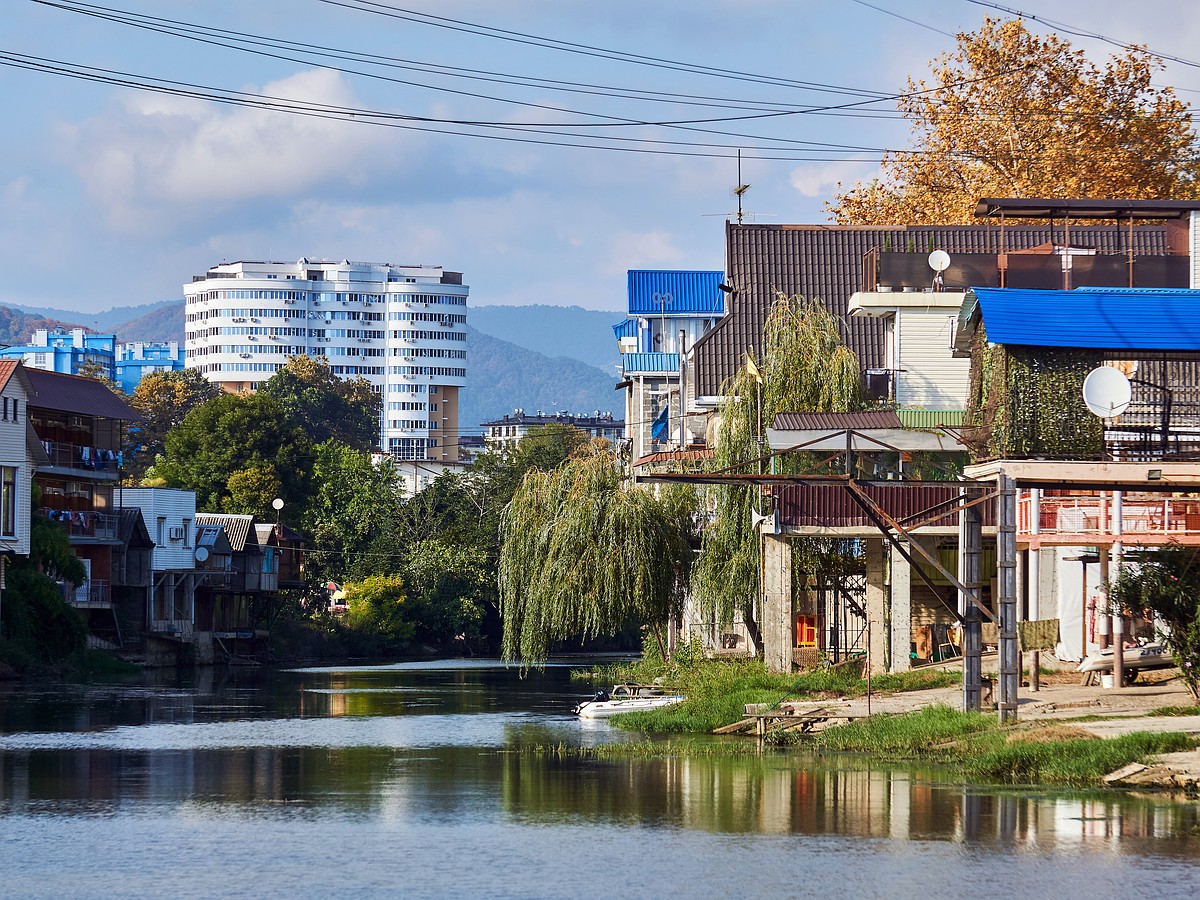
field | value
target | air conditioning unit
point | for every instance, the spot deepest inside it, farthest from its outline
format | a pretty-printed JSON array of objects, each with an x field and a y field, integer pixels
[
  {"x": 176, "y": 532},
  {"x": 246, "y": 355}
]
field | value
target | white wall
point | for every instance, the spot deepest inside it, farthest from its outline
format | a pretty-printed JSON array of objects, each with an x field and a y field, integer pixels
[
  {"x": 928, "y": 375},
  {"x": 177, "y": 509}
]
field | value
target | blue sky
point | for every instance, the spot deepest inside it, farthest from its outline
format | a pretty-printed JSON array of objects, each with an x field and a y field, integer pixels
[{"x": 114, "y": 197}]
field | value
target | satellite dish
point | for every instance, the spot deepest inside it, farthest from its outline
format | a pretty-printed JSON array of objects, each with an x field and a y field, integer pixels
[
  {"x": 201, "y": 554},
  {"x": 939, "y": 260},
  {"x": 277, "y": 503},
  {"x": 1107, "y": 391}
]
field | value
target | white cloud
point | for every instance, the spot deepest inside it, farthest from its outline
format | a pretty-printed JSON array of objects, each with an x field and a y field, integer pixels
[
  {"x": 158, "y": 157},
  {"x": 642, "y": 250},
  {"x": 821, "y": 179}
]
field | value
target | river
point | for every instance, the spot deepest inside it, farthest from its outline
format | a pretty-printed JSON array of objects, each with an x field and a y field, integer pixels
[{"x": 418, "y": 780}]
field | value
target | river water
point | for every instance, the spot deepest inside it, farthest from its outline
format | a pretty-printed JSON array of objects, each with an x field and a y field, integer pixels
[{"x": 419, "y": 780}]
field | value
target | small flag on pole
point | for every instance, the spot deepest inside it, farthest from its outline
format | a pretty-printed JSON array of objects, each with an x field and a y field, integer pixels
[{"x": 753, "y": 369}]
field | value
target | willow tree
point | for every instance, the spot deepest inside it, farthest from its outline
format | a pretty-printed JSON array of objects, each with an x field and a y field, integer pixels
[
  {"x": 583, "y": 551},
  {"x": 1013, "y": 114},
  {"x": 804, "y": 367}
]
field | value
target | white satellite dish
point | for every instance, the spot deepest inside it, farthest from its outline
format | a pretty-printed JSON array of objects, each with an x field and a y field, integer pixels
[
  {"x": 201, "y": 554},
  {"x": 1107, "y": 391},
  {"x": 939, "y": 260}
]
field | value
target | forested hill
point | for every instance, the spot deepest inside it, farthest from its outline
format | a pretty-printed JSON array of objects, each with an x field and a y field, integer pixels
[
  {"x": 583, "y": 334},
  {"x": 502, "y": 377}
]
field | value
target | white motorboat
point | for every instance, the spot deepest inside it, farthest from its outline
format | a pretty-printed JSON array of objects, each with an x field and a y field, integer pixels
[
  {"x": 1144, "y": 656},
  {"x": 624, "y": 698}
]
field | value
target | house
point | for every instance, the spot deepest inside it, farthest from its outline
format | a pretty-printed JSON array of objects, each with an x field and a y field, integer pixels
[
  {"x": 80, "y": 425},
  {"x": 507, "y": 432},
  {"x": 233, "y": 602},
  {"x": 668, "y": 311},
  {"x": 20, "y": 454},
  {"x": 1078, "y": 505}
]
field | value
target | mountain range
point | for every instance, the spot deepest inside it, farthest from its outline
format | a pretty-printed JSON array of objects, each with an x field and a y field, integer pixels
[{"x": 537, "y": 357}]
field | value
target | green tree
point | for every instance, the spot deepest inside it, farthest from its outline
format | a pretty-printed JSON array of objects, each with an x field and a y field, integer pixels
[
  {"x": 1012, "y": 114},
  {"x": 350, "y": 515},
  {"x": 583, "y": 552},
  {"x": 448, "y": 588},
  {"x": 164, "y": 399},
  {"x": 805, "y": 367},
  {"x": 376, "y": 606},
  {"x": 326, "y": 405},
  {"x": 229, "y": 434},
  {"x": 37, "y": 621},
  {"x": 1166, "y": 581}
]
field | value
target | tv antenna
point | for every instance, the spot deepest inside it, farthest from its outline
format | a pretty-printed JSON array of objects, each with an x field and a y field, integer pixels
[{"x": 740, "y": 191}]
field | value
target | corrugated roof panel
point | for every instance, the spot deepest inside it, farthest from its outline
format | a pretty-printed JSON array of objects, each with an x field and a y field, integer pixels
[
  {"x": 1097, "y": 319},
  {"x": 847, "y": 421},
  {"x": 650, "y": 362},
  {"x": 237, "y": 528},
  {"x": 930, "y": 418},
  {"x": 628, "y": 328},
  {"x": 660, "y": 292}
]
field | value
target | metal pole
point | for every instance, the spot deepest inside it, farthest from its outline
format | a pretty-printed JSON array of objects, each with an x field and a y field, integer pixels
[
  {"x": 1035, "y": 582},
  {"x": 970, "y": 543},
  {"x": 1006, "y": 602},
  {"x": 1118, "y": 629}
]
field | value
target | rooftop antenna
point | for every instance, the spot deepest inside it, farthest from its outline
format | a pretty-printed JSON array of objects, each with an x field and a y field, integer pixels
[
  {"x": 739, "y": 191},
  {"x": 741, "y": 188}
]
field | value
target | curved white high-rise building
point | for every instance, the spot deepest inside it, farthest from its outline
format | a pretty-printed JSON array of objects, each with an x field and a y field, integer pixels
[{"x": 403, "y": 328}]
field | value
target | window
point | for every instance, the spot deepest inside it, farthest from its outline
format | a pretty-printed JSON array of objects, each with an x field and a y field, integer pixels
[{"x": 8, "y": 501}]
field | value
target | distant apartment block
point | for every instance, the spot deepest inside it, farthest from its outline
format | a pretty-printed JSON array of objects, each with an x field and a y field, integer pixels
[
  {"x": 65, "y": 351},
  {"x": 136, "y": 360},
  {"x": 403, "y": 328},
  {"x": 506, "y": 433}
]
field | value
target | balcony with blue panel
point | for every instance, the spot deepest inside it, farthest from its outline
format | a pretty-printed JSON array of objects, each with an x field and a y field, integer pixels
[{"x": 650, "y": 363}]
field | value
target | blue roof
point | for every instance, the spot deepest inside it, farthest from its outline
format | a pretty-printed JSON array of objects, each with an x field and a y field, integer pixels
[
  {"x": 656, "y": 293},
  {"x": 628, "y": 328},
  {"x": 1101, "y": 318},
  {"x": 650, "y": 362}
]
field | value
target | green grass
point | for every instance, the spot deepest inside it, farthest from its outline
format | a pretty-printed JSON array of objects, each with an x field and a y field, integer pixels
[
  {"x": 1175, "y": 711},
  {"x": 978, "y": 747},
  {"x": 718, "y": 691},
  {"x": 904, "y": 737}
]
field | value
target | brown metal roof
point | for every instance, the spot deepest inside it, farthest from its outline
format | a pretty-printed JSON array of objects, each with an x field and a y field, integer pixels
[
  {"x": 1042, "y": 208},
  {"x": 824, "y": 262},
  {"x": 855, "y": 421},
  {"x": 673, "y": 456},
  {"x": 74, "y": 394},
  {"x": 237, "y": 528}
]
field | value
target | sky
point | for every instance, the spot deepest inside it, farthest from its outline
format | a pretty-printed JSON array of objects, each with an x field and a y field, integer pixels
[{"x": 432, "y": 131}]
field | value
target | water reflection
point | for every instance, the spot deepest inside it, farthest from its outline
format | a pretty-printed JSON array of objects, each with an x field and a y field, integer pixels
[{"x": 452, "y": 749}]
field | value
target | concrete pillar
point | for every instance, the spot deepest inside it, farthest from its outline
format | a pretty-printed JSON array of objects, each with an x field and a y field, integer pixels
[
  {"x": 901, "y": 625},
  {"x": 777, "y": 617},
  {"x": 876, "y": 606},
  {"x": 1009, "y": 663},
  {"x": 970, "y": 553}
]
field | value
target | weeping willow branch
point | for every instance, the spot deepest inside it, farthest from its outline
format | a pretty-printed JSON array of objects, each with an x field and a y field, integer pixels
[
  {"x": 804, "y": 367},
  {"x": 583, "y": 552}
]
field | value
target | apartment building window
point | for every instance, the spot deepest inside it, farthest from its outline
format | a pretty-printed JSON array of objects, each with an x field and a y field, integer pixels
[{"x": 8, "y": 501}]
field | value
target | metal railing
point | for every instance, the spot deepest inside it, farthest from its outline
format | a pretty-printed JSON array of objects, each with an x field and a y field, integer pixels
[
  {"x": 78, "y": 456},
  {"x": 85, "y": 524},
  {"x": 1088, "y": 514}
]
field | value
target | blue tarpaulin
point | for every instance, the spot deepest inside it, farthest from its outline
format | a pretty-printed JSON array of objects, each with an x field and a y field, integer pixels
[{"x": 662, "y": 424}]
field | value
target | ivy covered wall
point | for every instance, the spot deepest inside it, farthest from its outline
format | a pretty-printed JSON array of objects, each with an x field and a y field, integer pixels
[{"x": 1028, "y": 402}]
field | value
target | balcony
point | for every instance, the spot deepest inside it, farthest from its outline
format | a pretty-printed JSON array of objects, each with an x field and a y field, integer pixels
[
  {"x": 92, "y": 594},
  {"x": 83, "y": 459},
  {"x": 85, "y": 526},
  {"x": 1090, "y": 519}
]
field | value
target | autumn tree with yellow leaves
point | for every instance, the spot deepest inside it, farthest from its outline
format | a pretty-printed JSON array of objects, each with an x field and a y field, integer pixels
[{"x": 1015, "y": 114}]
